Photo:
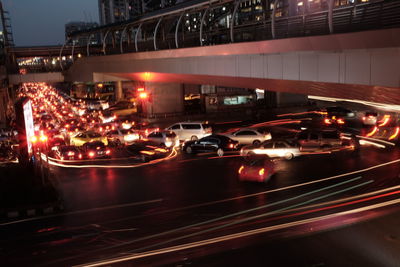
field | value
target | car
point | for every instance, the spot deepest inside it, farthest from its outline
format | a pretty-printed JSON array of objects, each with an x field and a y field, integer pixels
[
  {"x": 249, "y": 136},
  {"x": 65, "y": 152},
  {"x": 122, "y": 136},
  {"x": 370, "y": 118},
  {"x": 95, "y": 149},
  {"x": 164, "y": 138},
  {"x": 146, "y": 150},
  {"x": 340, "y": 112},
  {"x": 258, "y": 168},
  {"x": 81, "y": 138},
  {"x": 122, "y": 108},
  {"x": 318, "y": 138},
  {"x": 190, "y": 130},
  {"x": 273, "y": 148},
  {"x": 56, "y": 142},
  {"x": 212, "y": 143}
]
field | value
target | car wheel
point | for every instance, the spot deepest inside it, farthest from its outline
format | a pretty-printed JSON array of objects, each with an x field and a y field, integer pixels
[
  {"x": 250, "y": 154},
  {"x": 289, "y": 156},
  {"x": 266, "y": 180},
  {"x": 220, "y": 152},
  {"x": 194, "y": 138},
  {"x": 189, "y": 150},
  {"x": 256, "y": 142},
  {"x": 143, "y": 159}
]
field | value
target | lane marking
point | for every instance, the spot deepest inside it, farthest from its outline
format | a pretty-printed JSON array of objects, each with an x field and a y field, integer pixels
[
  {"x": 233, "y": 236},
  {"x": 237, "y": 214},
  {"x": 255, "y": 216},
  {"x": 85, "y": 211}
]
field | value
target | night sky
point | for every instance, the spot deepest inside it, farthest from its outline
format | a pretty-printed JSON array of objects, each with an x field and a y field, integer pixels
[{"x": 41, "y": 22}]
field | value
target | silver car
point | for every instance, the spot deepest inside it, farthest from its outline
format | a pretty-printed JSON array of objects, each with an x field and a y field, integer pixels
[
  {"x": 249, "y": 136},
  {"x": 273, "y": 148},
  {"x": 164, "y": 138}
]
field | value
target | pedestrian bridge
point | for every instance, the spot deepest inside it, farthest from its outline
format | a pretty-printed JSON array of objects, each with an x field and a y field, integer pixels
[{"x": 362, "y": 65}]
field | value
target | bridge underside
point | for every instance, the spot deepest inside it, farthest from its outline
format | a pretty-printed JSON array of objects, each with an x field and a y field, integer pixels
[{"x": 379, "y": 94}]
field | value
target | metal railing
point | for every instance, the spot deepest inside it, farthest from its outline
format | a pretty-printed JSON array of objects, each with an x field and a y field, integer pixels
[{"x": 147, "y": 34}]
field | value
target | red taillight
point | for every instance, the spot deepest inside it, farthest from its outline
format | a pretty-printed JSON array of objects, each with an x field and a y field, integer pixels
[
  {"x": 340, "y": 121},
  {"x": 108, "y": 152},
  {"x": 91, "y": 154},
  {"x": 327, "y": 121},
  {"x": 261, "y": 172},
  {"x": 80, "y": 156},
  {"x": 363, "y": 118},
  {"x": 231, "y": 146},
  {"x": 71, "y": 153},
  {"x": 240, "y": 169}
]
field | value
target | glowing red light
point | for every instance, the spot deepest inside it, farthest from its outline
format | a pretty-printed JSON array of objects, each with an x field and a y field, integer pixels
[
  {"x": 261, "y": 172},
  {"x": 396, "y": 133},
  {"x": 143, "y": 95}
]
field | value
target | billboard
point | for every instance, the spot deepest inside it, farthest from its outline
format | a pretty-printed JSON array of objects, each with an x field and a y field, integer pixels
[{"x": 29, "y": 128}]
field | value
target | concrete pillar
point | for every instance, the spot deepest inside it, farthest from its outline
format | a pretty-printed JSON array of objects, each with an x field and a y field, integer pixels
[
  {"x": 164, "y": 98},
  {"x": 118, "y": 91}
]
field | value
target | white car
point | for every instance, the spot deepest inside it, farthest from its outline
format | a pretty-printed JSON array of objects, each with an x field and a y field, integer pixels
[
  {"x": 190, "y": 130},
  {"x": 273, "y": 148},
  {"x": 122, "y": 136},
  {"x": 164, "y": 138},
  {"x": 370, "y": 118},
  {"x": 249, "y": 136}
]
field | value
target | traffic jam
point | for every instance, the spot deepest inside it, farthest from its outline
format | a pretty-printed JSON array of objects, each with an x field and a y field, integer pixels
[{"x": 76, "y": 133}]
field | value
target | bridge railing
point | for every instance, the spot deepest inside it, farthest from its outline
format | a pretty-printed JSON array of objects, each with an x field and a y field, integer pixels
[{"x": 242, "y": 28}]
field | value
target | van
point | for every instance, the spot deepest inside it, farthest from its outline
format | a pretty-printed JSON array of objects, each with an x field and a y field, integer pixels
[
  {"x": 190, "y": 130},
  {"x": 314, "y": 139}
]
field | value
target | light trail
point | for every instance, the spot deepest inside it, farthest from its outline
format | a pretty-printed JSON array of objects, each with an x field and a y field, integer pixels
[
  {"x": 217, "y": 239},
  {"x": 237, "y": 235},
  {"x": 172, "y": 155},
  {"x": 240, "y": 213}
]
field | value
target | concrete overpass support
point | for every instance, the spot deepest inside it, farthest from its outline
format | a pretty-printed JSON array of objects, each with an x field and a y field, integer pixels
[
  {"x": 118, "y": 91},
  {"x": 164, "y": 98}
]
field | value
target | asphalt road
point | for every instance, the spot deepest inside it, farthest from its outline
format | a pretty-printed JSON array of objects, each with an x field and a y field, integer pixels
[{"x": 113, "y": 212}]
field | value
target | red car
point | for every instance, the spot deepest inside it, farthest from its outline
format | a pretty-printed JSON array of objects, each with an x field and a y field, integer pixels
[{"x": 257, "y": 168}]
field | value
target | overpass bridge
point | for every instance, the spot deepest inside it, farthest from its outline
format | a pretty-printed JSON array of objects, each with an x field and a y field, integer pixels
[{"x": 348, "y": 51}]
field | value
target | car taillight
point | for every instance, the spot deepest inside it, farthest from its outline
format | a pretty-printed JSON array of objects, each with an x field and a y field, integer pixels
[
  {"x": 231, "y": 145},
  {"x": 108, "y": 152},
  {"x": 71, "y": 153},
  {"x": 327, "y": 121},
  {"x": 363, "y": 118},
  {"x": 261, "y": 172},
  {"x": 80, "y": 156},
  {"x": 340, "y": 121},
  {"x": 91, "y": 154},
  {"x": 240, "y": 169}
]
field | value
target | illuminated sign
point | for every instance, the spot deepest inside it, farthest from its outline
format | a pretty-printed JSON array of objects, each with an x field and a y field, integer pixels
[{"x": 29, "y": 128}]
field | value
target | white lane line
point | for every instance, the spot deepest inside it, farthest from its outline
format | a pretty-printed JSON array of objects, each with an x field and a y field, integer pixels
[
  {"x": 85, "y": 211},
  {"x": 239, "y": 213},
  {"x": 256, "y": 216},
  {"x": 236, "y": 235}
]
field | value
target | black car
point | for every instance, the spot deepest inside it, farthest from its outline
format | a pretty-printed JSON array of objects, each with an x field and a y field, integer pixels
[
  {"x": 145, "y": 150},
  {"x": 212, "y": 143},
  {"x": 95, "y": 150},
  {"x": 339, "y": 112},
  {"x": 67, "y": 153}
]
